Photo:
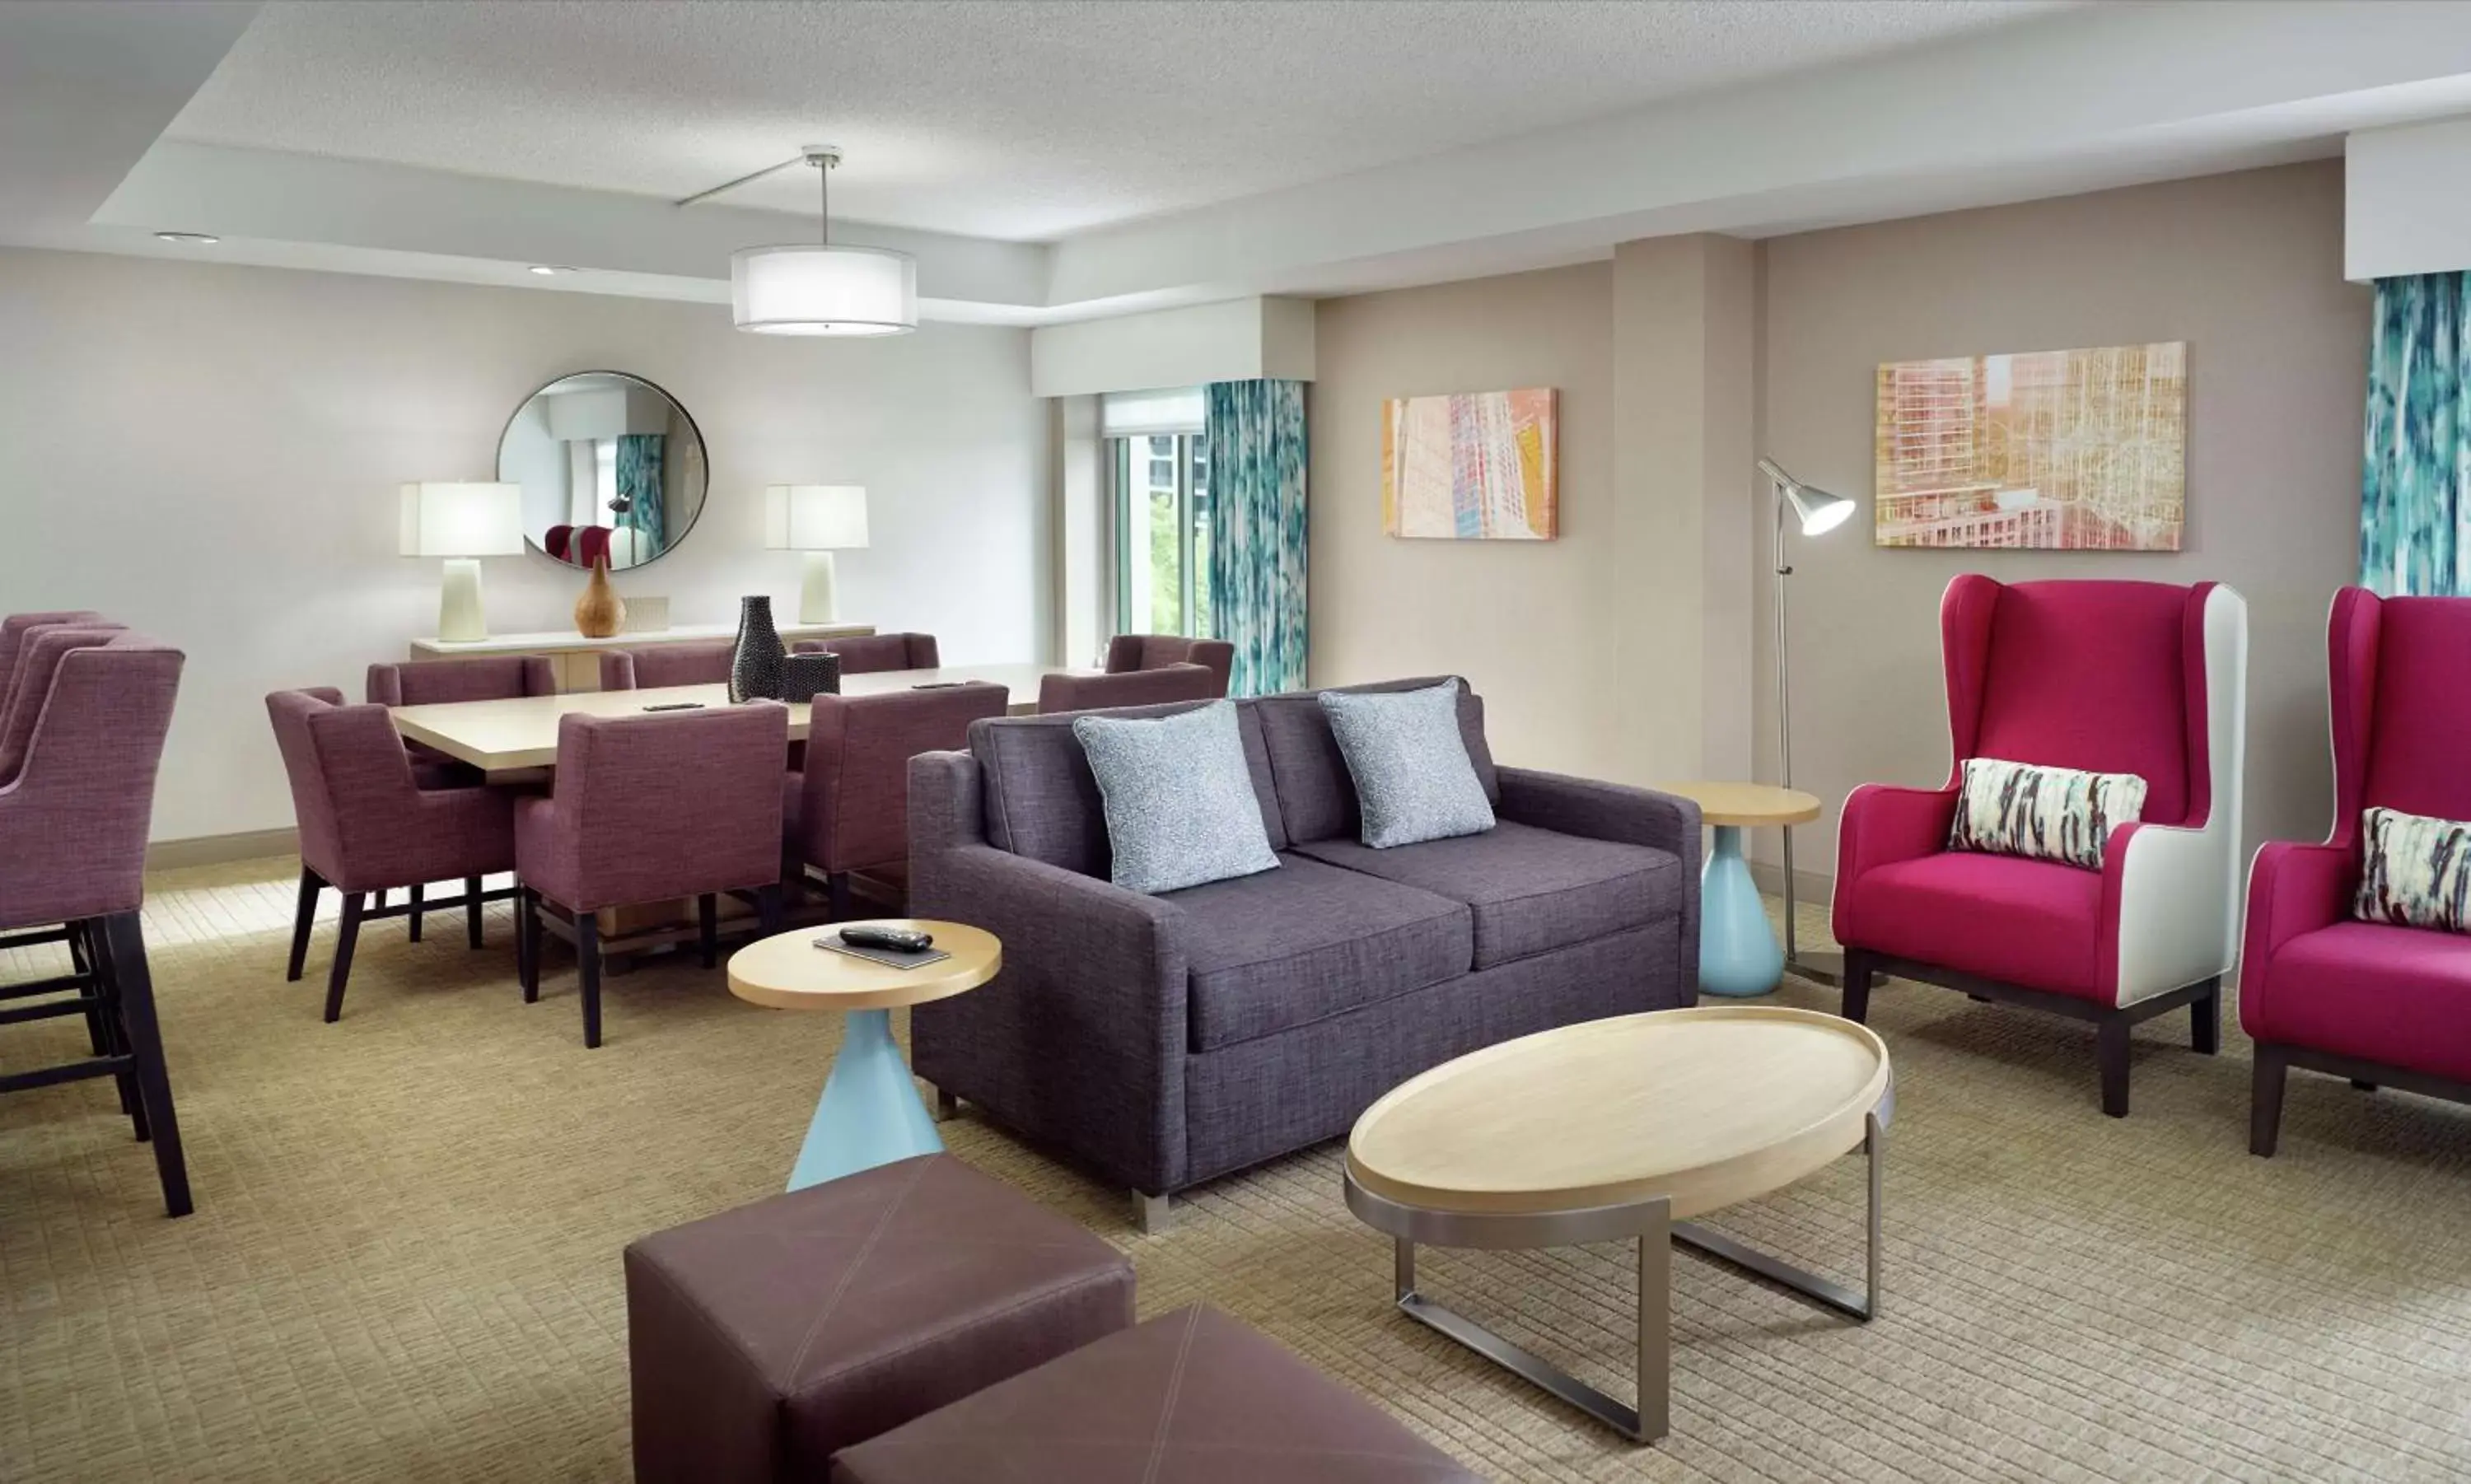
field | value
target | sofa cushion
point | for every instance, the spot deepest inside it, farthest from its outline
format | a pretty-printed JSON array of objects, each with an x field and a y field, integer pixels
[
  {"x": 2399, "y": 996},
  {"x": 2023, "y": 922},
  {"x": 2042, "y": 813},
  {"x": 1292, "y": 946},
  {"x": 1180, "y": 805},
  {"x": 1409, "y": 764},
  {"x": 2416, "y": 871},
  {"x": 1314, "y": 795},
  {"x": 1042, "y": 801},
  {"x": 1530, "y": 891}
]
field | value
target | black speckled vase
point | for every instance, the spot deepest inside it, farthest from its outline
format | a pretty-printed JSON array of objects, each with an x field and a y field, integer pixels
[{"x": 755, "y": 665}]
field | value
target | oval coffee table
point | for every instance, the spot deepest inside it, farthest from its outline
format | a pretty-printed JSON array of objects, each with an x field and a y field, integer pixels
[
  {"x": 1737, "y": 950},
  {"x": 1612, "y": 1130},
  {"x": 870, "y": 1112}
]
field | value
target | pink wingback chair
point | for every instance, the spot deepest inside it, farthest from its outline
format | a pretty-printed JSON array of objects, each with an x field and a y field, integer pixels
[
  {"x": 1178, "y": 682},
  {"x": 1127, "y": 652},
  {"x": 871, "y": 654},
  {"x": 74, "y": 816},
  {"x": 847, "y": 810},
  {"x": 2371, "y": 1001},
  {"x": 2115, "y": 677},
  {"x": 656, "y": 666},
  {"x": 651, "y": 808}
]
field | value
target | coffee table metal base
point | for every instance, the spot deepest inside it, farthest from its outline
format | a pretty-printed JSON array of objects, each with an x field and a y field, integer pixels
[{"x": 1650, "y": 1224}]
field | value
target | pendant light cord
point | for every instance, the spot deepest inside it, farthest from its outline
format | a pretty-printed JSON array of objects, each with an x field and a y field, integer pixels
[{"x": 824, "y": 198}]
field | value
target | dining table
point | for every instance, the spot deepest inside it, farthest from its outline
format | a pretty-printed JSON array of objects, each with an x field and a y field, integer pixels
[{"x": 515, "y": 740}]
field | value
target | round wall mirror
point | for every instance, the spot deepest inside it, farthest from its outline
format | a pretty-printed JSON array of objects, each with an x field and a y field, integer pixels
[{"x": 612, "y": 468}]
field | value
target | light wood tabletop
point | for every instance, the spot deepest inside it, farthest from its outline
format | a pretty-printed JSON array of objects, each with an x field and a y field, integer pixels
[
  {"x": 520, "y": 735},
  {"x": 1745, "y": 804},
  {"x": 789, "y": 971},
  {"x": 1706, "y": 1107}
]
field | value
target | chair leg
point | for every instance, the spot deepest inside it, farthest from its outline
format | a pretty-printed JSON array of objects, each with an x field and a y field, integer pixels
[
  {"x": 124, "y": 944},
  {"x": 472, "y": 910},
  {"x": 302, "y": 918},
  {"x": 767, "y": 908},
  {"x": 2205, "y": 1022},
  {"x": 2111, "y": 1048},
  {"x": 103, "y": 1030},
  {"x": 2363, "y": 1085},
  {"x": 838, "y": 886},
  {"x": 1857, "y": 985},
  {"x": 527, "y": 943},
  {"x": 587, "y": 966},
  {"x": 2265, "y": 1099},
  {"x": 708, "y": 928},
  {"x": 415, "y": 913},
  {"x": 347, "y": 936}
]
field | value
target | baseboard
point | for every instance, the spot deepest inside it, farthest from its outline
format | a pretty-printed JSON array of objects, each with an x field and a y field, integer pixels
[
  {"x": 221, "y": 849},
  {"x": 1807, "y": 885}
]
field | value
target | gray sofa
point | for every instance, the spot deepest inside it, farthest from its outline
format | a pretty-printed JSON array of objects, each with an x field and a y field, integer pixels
[{"x": 1162, "y": 1041}]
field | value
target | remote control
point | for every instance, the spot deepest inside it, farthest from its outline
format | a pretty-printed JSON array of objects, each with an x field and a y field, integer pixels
[
  {"x": 905, "y": 940},
  {"x": 676, "y": 706}
]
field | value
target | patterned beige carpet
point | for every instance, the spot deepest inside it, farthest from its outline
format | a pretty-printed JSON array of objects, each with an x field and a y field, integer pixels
[{"x": 403, "y": 1263}]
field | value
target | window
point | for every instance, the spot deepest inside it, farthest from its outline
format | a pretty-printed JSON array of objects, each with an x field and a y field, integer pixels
[{"x": 1161, "y": 534}]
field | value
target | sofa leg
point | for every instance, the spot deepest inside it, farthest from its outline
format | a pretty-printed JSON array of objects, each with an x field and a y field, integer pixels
[
  {"x": 2205, "y": 1021},
  {"x": 2111, "y": 1049},
  {"x": 947, "y": 1106},
  {"x": 1152, "y": 1211},
  {"x": 1857, "y": 985},
  {"x": 2265, "y": 1101}
]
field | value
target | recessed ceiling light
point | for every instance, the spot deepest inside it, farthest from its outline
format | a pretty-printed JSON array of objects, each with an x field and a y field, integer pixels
[
  {"x": 190, "y": 239},
  {"x": 548, "y": 270}
]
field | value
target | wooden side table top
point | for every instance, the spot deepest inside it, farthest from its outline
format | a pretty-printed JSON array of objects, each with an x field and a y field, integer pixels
[
  {"x": 1704, "y": 1107},
  {"x": 1745, "y": 803},
  {"x": 789, "y": 971}
]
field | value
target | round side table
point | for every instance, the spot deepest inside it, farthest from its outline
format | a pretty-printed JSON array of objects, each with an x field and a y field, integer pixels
[
  {"x": 870, "y": 1112},
  {"x": 1737, "y": 950}
]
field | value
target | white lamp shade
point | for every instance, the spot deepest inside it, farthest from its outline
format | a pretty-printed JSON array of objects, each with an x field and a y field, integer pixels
[
  {"x": 814, "y": 517},
  {"x": 823, "y": 290},
  {"x": 463, "y": 520}
]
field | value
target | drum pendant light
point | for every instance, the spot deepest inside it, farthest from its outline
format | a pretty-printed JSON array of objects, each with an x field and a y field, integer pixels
[{"x": 820, "y": 288}]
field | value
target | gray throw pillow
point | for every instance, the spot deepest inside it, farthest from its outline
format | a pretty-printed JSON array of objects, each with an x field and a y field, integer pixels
[
  {"x": 1413, "y": 778},
  {"x": 1181, "y": 809}
]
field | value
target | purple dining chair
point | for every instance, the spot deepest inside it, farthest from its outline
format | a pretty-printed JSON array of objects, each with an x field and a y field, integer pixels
[
  {"x": 873, "y": 654},
  {"x": 651, "y": 808},
  {"x": 668, "y": 663},
  {"x": 487, "y": 678},
  {"x": 1129, "y": 653},
  {"x": 847, "y": 810},
  {"x": 1178, "y": 682},
  {"x": 12, "y": 636},
  {"x": 367, "y": 824},
  {"x": 74, "y": 817}
]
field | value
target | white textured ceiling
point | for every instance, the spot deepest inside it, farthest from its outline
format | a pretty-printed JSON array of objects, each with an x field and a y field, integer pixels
[{"x": 1025, "y": 121}]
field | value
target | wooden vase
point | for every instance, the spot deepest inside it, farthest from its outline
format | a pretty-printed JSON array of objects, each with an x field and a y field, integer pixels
[{"x": 600, "y": 612}]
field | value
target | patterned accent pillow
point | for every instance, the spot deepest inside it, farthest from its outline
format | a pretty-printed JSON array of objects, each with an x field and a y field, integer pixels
[
  {"x": 2044, "y": 814},
  {"x": 2418, "y": 872},
  {"x": 1413, "y": 779},
  {"x": 1179, "y": 800}
]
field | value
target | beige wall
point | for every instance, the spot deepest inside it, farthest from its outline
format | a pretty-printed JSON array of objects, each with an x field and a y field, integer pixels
[
  {"x": 2246, "y": 267},
  {"x": 1524, "y": 621}
]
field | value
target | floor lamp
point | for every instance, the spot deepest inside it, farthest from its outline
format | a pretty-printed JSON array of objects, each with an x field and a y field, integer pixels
[{"x": 1817, "y": 512}]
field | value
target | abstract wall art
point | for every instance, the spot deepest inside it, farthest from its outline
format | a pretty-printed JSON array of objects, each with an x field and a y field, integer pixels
[
  {"x": 2052, "y": 449},
  {"x": 1471, "y": 466}
]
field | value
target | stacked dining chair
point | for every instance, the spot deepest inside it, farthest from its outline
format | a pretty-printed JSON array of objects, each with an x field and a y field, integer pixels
[
  {"x": 846, "y": 812},
  {"x": 81, "y": 738},
  {"x": 488, "y": 677},
  {"x": 1128, "y": 652},
  {"x": 874, "y": 654},
  {"x": 1176, "y": 682},
  {"x": 670, "y": 664}
]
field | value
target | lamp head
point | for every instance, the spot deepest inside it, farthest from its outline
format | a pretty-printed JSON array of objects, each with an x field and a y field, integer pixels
[{"x": 1817, "y": 510}]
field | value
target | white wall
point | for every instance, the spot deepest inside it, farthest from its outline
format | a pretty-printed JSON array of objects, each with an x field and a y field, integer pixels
[
  {"x": 211, "y": 453},
  {"x": 2404, "y": 209},
  {"x": 1239, "y": 340}
]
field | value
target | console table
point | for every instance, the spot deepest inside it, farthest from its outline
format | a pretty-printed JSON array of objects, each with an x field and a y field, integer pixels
[{"x": 577, "y": 659}]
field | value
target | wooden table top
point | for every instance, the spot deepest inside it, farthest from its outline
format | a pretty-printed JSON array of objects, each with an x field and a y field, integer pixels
[
  {"x": 789, "y": 971},
  {"x": 1745, "y": 803},
  {"x": 521, "y": 734},
  {"x": 1705, "y": 1106}
]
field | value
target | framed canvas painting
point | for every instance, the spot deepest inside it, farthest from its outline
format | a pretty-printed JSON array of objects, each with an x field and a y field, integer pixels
[
  {"x": 1471, "y": 466},
  {"x": 2051, "y": 450}
]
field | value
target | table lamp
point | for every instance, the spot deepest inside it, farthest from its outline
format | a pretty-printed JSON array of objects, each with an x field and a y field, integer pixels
[
  {"x": 818, "y": 520},
  {"x": 1816, "y": 512},
  {"x": 462, "y": 523}
]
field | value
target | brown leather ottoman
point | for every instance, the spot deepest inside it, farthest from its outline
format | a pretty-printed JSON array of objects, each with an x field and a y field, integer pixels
[
  {"x": 764, "y": 1339},
  {"x": 1189, "y": 1398}
]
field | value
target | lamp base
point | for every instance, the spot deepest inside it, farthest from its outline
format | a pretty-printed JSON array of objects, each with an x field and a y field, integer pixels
[
  {"x": 817, "y": 601},
  {"x": 458, "y": 602},
  {"x": 1827, "y": 969}
]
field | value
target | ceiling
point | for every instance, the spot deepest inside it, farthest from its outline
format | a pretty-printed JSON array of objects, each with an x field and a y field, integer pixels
[{"x": 1020, "y": 122}]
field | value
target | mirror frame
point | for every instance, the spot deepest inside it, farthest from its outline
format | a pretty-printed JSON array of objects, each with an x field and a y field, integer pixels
[{"x": 533, "y": 546}]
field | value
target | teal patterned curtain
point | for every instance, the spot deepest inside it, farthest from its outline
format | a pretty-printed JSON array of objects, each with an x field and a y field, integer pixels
[
  {"x": 1256, "y": 531},
  {"x": 2415, "y": 480},
  {"x": 638, "y": 482}
]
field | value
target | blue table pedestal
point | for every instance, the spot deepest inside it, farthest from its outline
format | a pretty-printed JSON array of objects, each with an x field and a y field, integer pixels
[
  {"x": 870, "y": 1113},
  {"x": 1737, "y": 950}
]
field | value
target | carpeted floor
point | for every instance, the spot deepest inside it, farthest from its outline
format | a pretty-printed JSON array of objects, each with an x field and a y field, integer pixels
[{"x": 404, "y": 1262}]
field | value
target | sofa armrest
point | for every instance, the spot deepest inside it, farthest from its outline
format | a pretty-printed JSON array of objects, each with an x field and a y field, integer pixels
[
  {"x": 2170, "y": 905},
  {"x": 2292, "y": 890},
  {"x": 1080, "y": 1040},
  {"x": 1601, "y": 811}
]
